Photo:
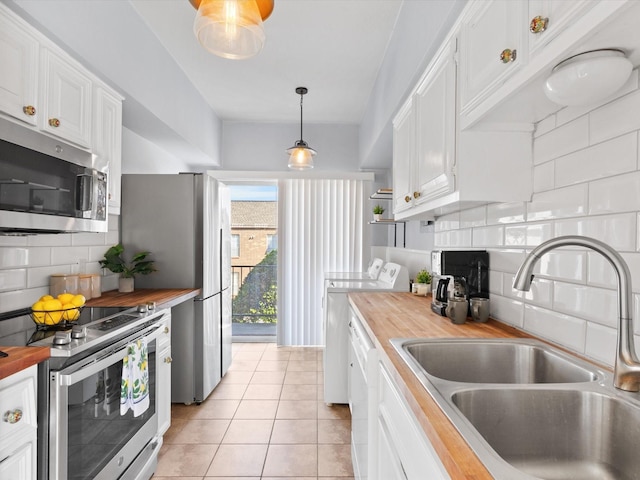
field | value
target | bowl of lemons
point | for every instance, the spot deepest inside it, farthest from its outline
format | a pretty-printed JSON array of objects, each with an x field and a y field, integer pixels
[{"x": 53, "y": 311}]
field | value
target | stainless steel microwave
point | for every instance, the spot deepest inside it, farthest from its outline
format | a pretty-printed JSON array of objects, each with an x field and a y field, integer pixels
[{"x": 48, "y": 186}]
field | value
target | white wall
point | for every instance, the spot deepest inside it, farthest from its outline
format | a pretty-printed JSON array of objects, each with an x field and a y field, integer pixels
[
  {"x": 586, "y": 182},
  {"x": 27, "y": 262},
  {"x": 418, "y": 33},
  {"x": 262, "y": 146},
  {"x": 139, "y": 155}
]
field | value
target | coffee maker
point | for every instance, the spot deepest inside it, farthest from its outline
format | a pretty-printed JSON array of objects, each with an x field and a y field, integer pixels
[{"x": 458, "y": 273}]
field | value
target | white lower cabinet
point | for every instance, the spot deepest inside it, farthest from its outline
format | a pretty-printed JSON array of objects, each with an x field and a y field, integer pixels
[
  {"x": 18, "y": 425},
  {"x": 163, "y": 362},
  {"x": 404, "y": 452}
]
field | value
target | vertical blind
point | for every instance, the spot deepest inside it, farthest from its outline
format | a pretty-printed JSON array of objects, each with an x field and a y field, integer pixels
[{"x": 321, "y": 226}]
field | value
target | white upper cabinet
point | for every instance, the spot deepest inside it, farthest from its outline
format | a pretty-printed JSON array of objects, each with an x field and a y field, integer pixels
[
  {"x": 18, "y": 71},
  {"x": 547, "y": 18},
  {"x": 403, "y": 157},
  {"x": 435, "y": 105},
  {"x": 107, "y": 141},
  {"x": 491, "y": 47},
  {"x": 66, "y": 99}
]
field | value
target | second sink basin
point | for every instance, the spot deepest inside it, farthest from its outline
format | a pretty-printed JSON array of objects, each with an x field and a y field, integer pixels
[
  {"x": 557, "y": 434},
  {"x": 509, "y": 361}
]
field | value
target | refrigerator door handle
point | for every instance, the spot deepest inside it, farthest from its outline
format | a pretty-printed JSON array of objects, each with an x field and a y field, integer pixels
[{"x": 202, "y": 299}]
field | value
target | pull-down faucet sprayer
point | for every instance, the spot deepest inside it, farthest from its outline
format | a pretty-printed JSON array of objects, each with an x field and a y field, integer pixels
[{"x": 627, "y": 365}]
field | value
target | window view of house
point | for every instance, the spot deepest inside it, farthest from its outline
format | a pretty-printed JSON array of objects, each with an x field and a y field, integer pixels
[{"x": 254, "y": 255}]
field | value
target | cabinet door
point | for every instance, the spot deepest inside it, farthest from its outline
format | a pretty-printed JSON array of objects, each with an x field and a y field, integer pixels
[
  {"x": 435, "y": 105},
  {"x": 164, "y": 390},
  {"x": 21, "y": 465},
  {"x": 107, "y": 142},
  {"x": 66, "y": 100},
  {"x": 491, "y": 28},
  {"x": 389, "y": 466},
  {"x": 18, "y": 71},
  {"x": 403, "y": 152},
  {"x": 547, "y": 18}
]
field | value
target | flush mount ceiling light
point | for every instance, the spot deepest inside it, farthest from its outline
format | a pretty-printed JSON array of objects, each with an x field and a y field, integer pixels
[
  {"x": 301, "y": 155},
  {"x": 231, "y": 28},
  {"x": 588, "y": 77}
]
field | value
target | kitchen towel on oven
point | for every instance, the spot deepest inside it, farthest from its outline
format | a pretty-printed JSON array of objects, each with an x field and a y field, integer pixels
[{"x": 134, "y": 392}]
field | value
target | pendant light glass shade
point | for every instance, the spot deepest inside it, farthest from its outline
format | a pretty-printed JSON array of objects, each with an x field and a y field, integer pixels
[
  {"x": 301, "y": 155},
  {"x": 230, "y": 28},
  {"x": 588, "y": 77}
]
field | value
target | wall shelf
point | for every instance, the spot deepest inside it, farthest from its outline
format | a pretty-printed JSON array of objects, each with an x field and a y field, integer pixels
[{"x": 382, "y": 194}]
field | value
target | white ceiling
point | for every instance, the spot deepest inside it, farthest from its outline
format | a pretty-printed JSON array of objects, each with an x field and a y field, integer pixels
[{"x": 333, "y": 47}]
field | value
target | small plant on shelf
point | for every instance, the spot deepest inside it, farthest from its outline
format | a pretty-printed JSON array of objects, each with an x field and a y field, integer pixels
[{"x": 378, "y": 210}]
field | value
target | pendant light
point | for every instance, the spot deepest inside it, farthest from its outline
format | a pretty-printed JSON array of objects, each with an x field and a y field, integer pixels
[
  {"x": 301, "y": 154},
  {"x": 231, "y": 28}
]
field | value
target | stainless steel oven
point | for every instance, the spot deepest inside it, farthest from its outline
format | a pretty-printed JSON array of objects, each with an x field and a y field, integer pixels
[{"x": 88, "y": 436}]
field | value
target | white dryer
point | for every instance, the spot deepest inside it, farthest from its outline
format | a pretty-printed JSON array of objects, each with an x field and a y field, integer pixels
[
  {"x": 372, "y": 273},
  {"x": 392, "y": 278}
]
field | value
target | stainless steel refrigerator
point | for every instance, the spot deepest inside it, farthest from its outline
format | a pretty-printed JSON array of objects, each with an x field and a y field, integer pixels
[{"x": 184, "y": 221}]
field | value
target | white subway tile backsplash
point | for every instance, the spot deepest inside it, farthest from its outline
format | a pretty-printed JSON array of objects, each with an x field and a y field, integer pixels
[
  {"x": 601, "y": 343},
  {"x": 88, "y": 239},
  {"x": 67, "y": 256},
  {"x": 602, "y": 274},
  {"x": 564, "y": 265},
  {"x": 506, "y": 213},
  {"x": 474, "y": 217},
  {"x": 448, "y": 222},
  {"x": 488, "y": 236},
  {"x": 13, "y": 279},
  {"x": 616, "y": 118},
  {"x": 460, "y": 238},
  {"x": 11, "y": 257},
  {"x": 50, "y": 240},
  {"x": 17, "y": 299},
  {"x": 557, "y": 327},
  {"x": 596, "y": 304},
  {"x": 515, "y": 235},
  {"x": 39, "y": 277},
  {"x": 495, "y": 282},
  {"x": 603, "y": 160},
  {"x": 39, "y": 256},
  {"x": 541, "y": 292},
  {"x": 507, "y": 310},
  {"x": 618, "y": 231},
  {"x": 12, "y": 241},
  {"x": 615, "y": 194},
  {"x": 561, "y": 141},
  {"x": 544, "y": 177},
  {"x": 545, "y": 125},
  {"x": 538, "y": 233},
  {"x": 112, "y": 238},
  {"x": 507, "y": 261},
  {"x": 561, "y": 203}
]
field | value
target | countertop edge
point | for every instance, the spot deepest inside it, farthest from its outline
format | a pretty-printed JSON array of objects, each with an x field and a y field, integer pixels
[
  {"x": 21, "y": 358},
  {"x": 164, "y": 297}
]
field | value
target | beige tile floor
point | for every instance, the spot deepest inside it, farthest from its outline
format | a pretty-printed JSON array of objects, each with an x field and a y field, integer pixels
[{"x": 266, "y": 420}]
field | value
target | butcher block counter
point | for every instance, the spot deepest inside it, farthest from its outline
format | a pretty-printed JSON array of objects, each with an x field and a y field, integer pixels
[
  {"x": 164, "y": 297},
  {"x": 402, "y": 315},
  {"x": 20, "y": 358}
]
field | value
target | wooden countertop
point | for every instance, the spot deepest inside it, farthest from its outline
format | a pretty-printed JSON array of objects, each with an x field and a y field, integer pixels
[
  {"x": 164, "y": 297},
  {"x": 393, "y": 315},
  {"x": 20, "y": 358}
]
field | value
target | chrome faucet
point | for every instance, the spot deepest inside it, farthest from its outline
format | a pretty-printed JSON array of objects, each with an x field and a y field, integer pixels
[{"x": 627, "y": 365}]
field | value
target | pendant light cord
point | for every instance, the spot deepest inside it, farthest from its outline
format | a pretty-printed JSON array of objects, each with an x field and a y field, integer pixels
[{"x": 301, "y": 97}]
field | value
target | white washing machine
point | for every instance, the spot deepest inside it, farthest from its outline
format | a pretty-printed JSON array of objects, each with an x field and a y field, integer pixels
[
  {"x": 392, "y": 278},
  {"x": 372, "y": 273}
]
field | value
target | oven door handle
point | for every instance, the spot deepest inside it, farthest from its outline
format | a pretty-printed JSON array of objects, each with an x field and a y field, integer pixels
[
  {"x": 79, "y": 375},
  {"x": 102, "y": 360}
]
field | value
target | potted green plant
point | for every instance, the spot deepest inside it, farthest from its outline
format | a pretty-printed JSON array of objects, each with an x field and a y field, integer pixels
[
  {"x": 378, "y": 210},
  {"x": 423, "y": 281},
  {"x": 115, "y": 262}
]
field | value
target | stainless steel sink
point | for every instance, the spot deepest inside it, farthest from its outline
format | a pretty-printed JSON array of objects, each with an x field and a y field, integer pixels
[
  {"x": 495, "y": 361},
  {"x": 529, "y": 410},
  {"x": 557, "y": 434}
]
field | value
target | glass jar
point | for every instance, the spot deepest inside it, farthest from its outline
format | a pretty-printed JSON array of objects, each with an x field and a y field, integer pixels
[
  {"x": 96, "y": 286},
  {"x": 63, "y": 283},
  {"x": 84, "y": 286}
]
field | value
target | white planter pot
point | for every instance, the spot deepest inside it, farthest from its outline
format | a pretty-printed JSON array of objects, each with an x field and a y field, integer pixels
[
  {"x": 125, "y": 285},
  {"x": 377, "y": 217},
  {"x": 423, "y": 288}
]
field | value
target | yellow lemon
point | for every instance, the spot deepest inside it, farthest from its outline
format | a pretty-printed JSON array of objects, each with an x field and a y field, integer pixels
[
  {"x": 65, "y": 297},
  {"x": 38, "y": 314},
  {"x": 53, "y": 318},
  {"x": 51, "y": 305},
  {"x": 44, "y": 298},
  {"x": 70, "y": 313},
  {"x": 78, "y": 300}
]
